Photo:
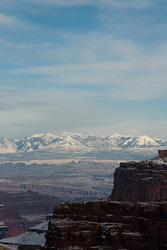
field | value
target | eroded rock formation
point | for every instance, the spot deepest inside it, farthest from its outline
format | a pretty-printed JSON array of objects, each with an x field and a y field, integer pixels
[
  {"x": 109, "y": 225},
  {"x": 140, "y": 181},
  {"x": 124, "y": 223}
]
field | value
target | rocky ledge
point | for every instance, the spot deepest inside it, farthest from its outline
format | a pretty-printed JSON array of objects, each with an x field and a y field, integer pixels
[
  {"x": 108, "y": 225},
  {"x": 140, "y": 181}
]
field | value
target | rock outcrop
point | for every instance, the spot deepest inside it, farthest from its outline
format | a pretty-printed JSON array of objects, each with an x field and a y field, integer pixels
[
  {"x": 140, "y": 181},
  {"x": 108, "y": 225},
  {"x": 137, "y": 219}
]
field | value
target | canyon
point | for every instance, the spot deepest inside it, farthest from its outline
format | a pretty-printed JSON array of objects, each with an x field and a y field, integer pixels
[
  {"x": 20, "y": 211},
  {"x": 73, "y": 179},
  {"x": 133, "y": 216}
]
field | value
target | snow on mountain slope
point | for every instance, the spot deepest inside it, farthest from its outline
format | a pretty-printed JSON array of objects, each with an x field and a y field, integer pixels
[
  {"x": 36, "y": 142},
  {"x": 7, "y": 146},
  {"x": 160, "y": 142},
  {"x": 117, "y": 139},
  {"x": 141, "y": 141},
  {"x": 65, "y": 143},
  {"x": 96, "y": 142},
  {"x": 73, "y": 142}
]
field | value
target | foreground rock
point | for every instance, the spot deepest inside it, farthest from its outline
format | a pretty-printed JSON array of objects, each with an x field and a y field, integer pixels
[
  {"x": 140, "y": 181},
  {"x": 135, "y": 219},
  {"x": 108, "y": 225}
]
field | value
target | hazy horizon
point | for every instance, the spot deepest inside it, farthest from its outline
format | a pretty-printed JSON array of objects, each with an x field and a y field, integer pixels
[{"x": 81, "y": 133}]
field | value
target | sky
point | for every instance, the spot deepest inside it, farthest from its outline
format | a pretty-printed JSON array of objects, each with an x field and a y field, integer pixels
[{"x": 88, "y": 66}]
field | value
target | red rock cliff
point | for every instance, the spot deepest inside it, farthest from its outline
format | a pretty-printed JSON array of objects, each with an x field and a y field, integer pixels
[
  {"x": 140, "y": 181},
  {"x": 108, "y": 225},
  {"x": 120, "y": 224}
]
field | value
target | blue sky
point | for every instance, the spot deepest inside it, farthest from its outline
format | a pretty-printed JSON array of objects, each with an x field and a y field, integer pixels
[{"x": 83, "y": 66}]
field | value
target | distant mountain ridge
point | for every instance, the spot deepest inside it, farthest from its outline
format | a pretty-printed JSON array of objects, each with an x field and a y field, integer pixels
[{"x": 74, "y": 142}]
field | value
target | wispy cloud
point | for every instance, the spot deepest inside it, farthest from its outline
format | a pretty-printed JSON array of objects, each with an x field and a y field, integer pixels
[
  {"x": 132, "y": 4},
  {"x": 127, "y": 69},
  {"x": 10, "y": 20},
  {"x": 136, "y": 4}
]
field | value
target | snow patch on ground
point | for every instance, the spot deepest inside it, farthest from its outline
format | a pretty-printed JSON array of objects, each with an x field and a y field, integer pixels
[{"x": 28, "y": 238}]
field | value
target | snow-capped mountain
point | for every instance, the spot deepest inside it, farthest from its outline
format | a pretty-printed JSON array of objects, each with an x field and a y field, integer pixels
[
  {"x": 73, "y": 142},
  {"x": 140, "y": 141},
  {"x": 118, "y": 140}
]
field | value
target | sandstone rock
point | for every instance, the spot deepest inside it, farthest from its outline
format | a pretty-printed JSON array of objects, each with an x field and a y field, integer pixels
[
  {"x": 108, "y": 225},
  {"x": 140, "y": 181},
  {"x": 135, "y": 219}
]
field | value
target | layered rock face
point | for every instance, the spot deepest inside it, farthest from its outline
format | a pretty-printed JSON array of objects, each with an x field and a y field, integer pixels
[
  {"x": 140, "y": 181},
  {"x": 108, "y": 225},
  {"x": 137, "y": 219}
]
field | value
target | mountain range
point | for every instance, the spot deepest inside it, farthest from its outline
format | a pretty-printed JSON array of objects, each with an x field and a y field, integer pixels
[{"x": 74, "y": 142}]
